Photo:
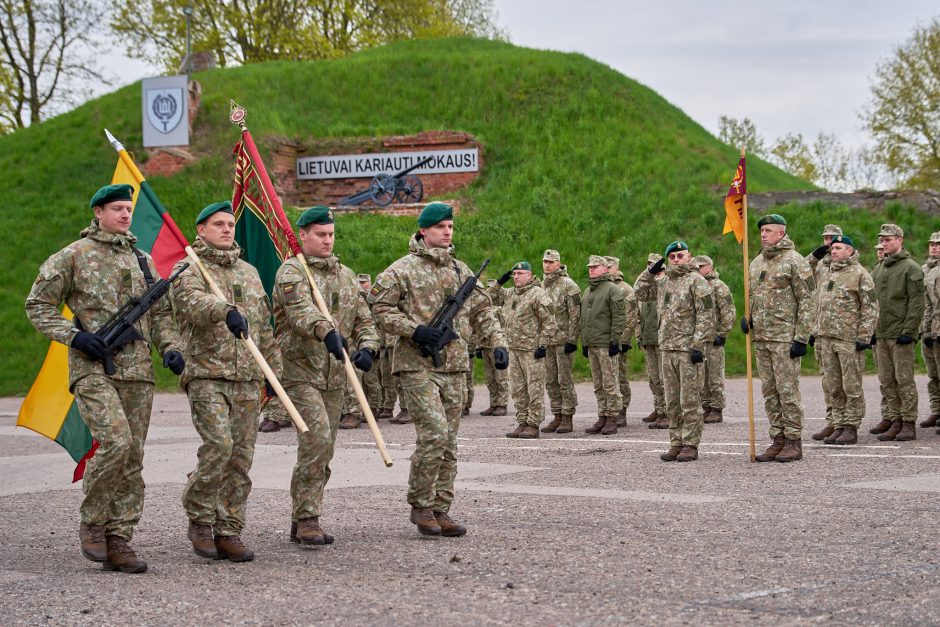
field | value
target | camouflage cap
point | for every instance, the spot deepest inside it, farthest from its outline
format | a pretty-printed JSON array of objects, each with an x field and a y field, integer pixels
[
  {"x": 879, "y": 246},
  {"x": 773, "y": 218},
  {"x": 551, "y": 255},
  {"x": 934, "y": 238},
  {"x": 365, "y": 278},
  {"x": 522, "y": 265},
  {"x": 703, "y": 260},
  {"x": 832, "y": 229},
  {"x": 843, "y": 239},
  {"x": 653, "y": 257},
  {"x": 613, "y": 261},
  {"x": 891, "y": 230},
  {"x": 597, "y": 260},
  {"x": 110, "y": 193}
]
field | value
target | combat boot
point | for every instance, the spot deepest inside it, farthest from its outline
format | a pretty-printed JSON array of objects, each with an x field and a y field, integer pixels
[
  {"x": 499, "y": 410},
  {"x": 849, "y": 435},
  {"x": 792, "y": 451},
  {"x": 327, "y": 538},
  {"x": 824, "y": 433},
  {"x": 671, "y": 454},
  {"x": 450, "y": 528},
  {"x": 908, "y": 432},
  {"x": 402, "y": 418},
  {"x": 349, "y": 421},
  {"x": 832, "y": 437},
  {"x": 651, "y": 417},
  {"x": 891, "y": 433},
  {"x": 881, "y": 427},
  {"x": 529, "y": 432},
  {"x": 466, "y": 411},
  {"x": 269, "y": 426},
  {"x": 232, "y": 548},
  {"x": 610, "y": 426},
  {"x": 713, "y": 416},
  {"x": 688, "y": 454},
  {"x": 309, "y": 532},
  {"x": 597, "y": 426},
  {"x": 488, "y": 411},
  {"x": 427, "y": 524},
  {"x": 622, "y": 417},
  {"x": 554, "y": 424},
  {"x": 773, "y": 450},
  {"x": 93, "y": 544},
  {"x": 122, "y": 557},
  {"x": 931, "y": 421},
  {"x": 515, "y": 433},
  {"x": 566, "y": 425},
  {"x": 662, "y": 422},
  {"x": 386, "y": 413},
  {"x": 201, "y": 537}
]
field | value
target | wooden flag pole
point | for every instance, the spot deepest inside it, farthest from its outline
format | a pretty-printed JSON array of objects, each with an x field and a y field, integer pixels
[{"x": 747, "y": 336}]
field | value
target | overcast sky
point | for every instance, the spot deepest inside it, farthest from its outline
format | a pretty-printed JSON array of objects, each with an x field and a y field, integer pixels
[{"x": 791, "y": 66}]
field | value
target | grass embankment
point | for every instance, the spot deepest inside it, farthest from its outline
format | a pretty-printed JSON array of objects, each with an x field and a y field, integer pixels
[{"x": 578, "y": 158}]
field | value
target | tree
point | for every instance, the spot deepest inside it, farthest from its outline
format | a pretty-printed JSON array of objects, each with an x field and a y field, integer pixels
[
  {"x": 904, "y": 113},
  {"x": 737, "y": 133},
  {"x": 43, "y": 60},
  {"x": 792, "y": 153}
]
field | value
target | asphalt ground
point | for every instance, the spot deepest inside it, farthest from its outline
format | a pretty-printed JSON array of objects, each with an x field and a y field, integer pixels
[{"x": 573, "y": 529}]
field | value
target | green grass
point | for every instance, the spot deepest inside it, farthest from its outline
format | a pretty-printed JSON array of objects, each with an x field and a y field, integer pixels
[{"x": 578, "y": 158}]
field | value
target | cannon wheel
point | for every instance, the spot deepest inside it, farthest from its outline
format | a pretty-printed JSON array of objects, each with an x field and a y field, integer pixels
[
  {"x": 410, "y": 189},
  {"x": 382, "y": 189}
]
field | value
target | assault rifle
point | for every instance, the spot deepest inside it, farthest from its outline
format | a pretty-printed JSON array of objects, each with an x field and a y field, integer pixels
[
  {"x": 119, "y": 330},
  {"x": 443, "y": 320}
]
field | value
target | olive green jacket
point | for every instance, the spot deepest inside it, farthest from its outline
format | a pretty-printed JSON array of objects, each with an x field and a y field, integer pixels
[
  {"x": 603, "y": 313},
  {"x": 899, "y": 283}
]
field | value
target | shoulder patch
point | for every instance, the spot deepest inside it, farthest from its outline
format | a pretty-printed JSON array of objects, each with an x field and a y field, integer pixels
[{"x": 178, "y": 281}]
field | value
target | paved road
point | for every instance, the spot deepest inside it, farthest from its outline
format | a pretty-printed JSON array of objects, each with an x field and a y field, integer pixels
[{"x": 564, "y": 529}]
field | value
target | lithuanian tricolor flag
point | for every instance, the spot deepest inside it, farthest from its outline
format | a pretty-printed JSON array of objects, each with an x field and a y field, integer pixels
[{"x": 49, "y": 408}]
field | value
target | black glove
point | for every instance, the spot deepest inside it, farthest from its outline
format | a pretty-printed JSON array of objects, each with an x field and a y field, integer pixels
[
  {"x": 719, "y": 341},
  {"x": 426, "y": 335},
  {"x": 797, "y": 349},
  {"x": 236, "y": 323},
  {"x": 505, "y": 277},
  {"x": 657, "y": 267},
  {"x": 478, "y": 353},
  {"x": 812, "y": 340},
  {"x": 820, "y": 252},
  {"x": 928, "y": 341},
  {"x": 614, "y": 349},
  {"x": 334, "y": 344},
  {"x": 174, "y": 361},
  {"x": 584, "y": 350},
  {"x": 904, "y": 340},
  {"x": 500, "y": 358},
  {"x": 861, "y": 346},
  {"x": 362, "y": 359},
  {"x": 570, "y": 348},
  {"x": 746, "y": 325},
  {"x": 90, "y": 344},
  {"x": 539, "y": 353},
  {"x": 696, "y": 356},
  {"x": 874, "y": 340},
  {"x": 269, "y": 390}
]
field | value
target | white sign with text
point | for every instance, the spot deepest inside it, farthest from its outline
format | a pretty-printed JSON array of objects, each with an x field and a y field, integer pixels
[{"x": 369, "y": 165}]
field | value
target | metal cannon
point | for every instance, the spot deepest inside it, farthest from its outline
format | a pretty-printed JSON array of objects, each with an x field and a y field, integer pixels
[{"x": 403, "y": 186}]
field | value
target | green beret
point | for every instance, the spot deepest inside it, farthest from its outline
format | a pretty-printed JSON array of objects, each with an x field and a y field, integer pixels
[
  {"x": 674, "y": 247},
  {"x": 772, "y": 218},
  {"x": 316, "y": 215},
  {"x": 522, "y": 265},
  {"x": 225, "y": 206},
  {"x": 110, "y": 193},
  {"x": 843, "y": 239},
  {"x": 434, "y": 213}
]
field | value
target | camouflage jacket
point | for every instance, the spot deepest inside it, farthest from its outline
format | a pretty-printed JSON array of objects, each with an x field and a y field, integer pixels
[
  {"x": 565, "y": 296},
  {"x": 212, "y": 352},
  {"x": 603, "y": 313},
  {"x": 847, "y": 306},
  {"x": 686, "y": 307},
  {"x": 930, "y": 295},
  {"x": 630, "y": 308},
  {"x": 529, "y": 319},
  {"x": 899, "y": 283},
  {"x": 300, "y": 327},
  {"x": 647, "y": 331},
  {"x": 95, "y": 276},
  {"x": 783, "y": 305},
  {"x": 725, "y": 312},
  {"x": 410, "y": 291}
]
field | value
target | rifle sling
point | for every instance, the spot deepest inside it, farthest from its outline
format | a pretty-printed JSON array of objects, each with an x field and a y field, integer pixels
[{"x": 144, "y": 267}]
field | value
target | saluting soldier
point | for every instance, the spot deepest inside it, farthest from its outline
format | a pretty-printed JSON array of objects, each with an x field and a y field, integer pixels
[
  {"x": 405, "y": 298},
  {"x": 647, "y": 336},
  {"x": 222, "y": 381},
  {"x": 713, "y": 370},
  {"x": 314, "y": 375},
  {"x": 95, "y": 276},
  {"x": 626, "y": 340},
  {"x": 565, "y": 296}
]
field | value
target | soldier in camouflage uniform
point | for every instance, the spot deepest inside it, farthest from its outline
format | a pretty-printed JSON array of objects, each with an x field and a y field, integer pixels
[
  {"x": 312, "y": 378},
  {"x": 529, "y": 323},
  {"x": 782, "y": 310},
  {"x": 899, "y": 282},
  {"x": 931, "y": 346},
  {"x": 472, "y": 349},
  {"x": 880, "y": 252},
  {"x": 95, "y": 276},
  {"x": 565, "y": 296},
  {"x": 845, "y": 323},
  {"x": 405, "y": 298},
  {"x": 819, "y": 260},
  {"x": 352, "y": 415},
  {"x": 497, "y": 381},
  {"x": 222, "y": 381},
  {"x": 686, "y": 323},
  {"x": 712, "y": 381},
  {"x": 626, "y": 341},
  {"x": 603, "y": 320},
  {"x": 647, "y": 335}
]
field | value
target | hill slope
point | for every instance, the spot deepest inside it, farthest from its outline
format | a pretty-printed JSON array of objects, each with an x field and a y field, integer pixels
[{"x": 579, "y": 158}]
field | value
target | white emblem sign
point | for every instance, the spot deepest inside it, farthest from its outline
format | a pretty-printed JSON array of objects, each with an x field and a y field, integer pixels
[
  {"x": 165, "y": 108},
  {"x": 165, "y": 117}
]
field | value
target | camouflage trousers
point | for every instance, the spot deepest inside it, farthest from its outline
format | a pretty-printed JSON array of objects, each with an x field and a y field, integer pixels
[
  {"x": 780, "y": 386},
  {"x": 932, "y": 359},
  {"x": 896, "y": 375},
  {"x": 558, "y": 380},
  {"x": 370, "y": 387},
  {"x": 626, "y": 394},
  {"x": 434, "y": 400},
  {"x": 118, "y": 415},
  {"x": 387, "y": 381},
  {"x": 825, "y": 386},
  {"x": 654, "y": 373},
  {"x": 604, "y": 373},
  {"x": 468, "y": 387},
  {"x": 883, "y": 405},
  {"x": 400, "y": 393},
  {"x": 712, "y": 377},
  {"x": 683, "y": 403},
  {"x": 527, "y": 379},
  {"x": 320, "y": 409},
  {"x": 497, "y": 381},
  {"x": 224, "y": 414},
  {"x": 842, "y": 369}
]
